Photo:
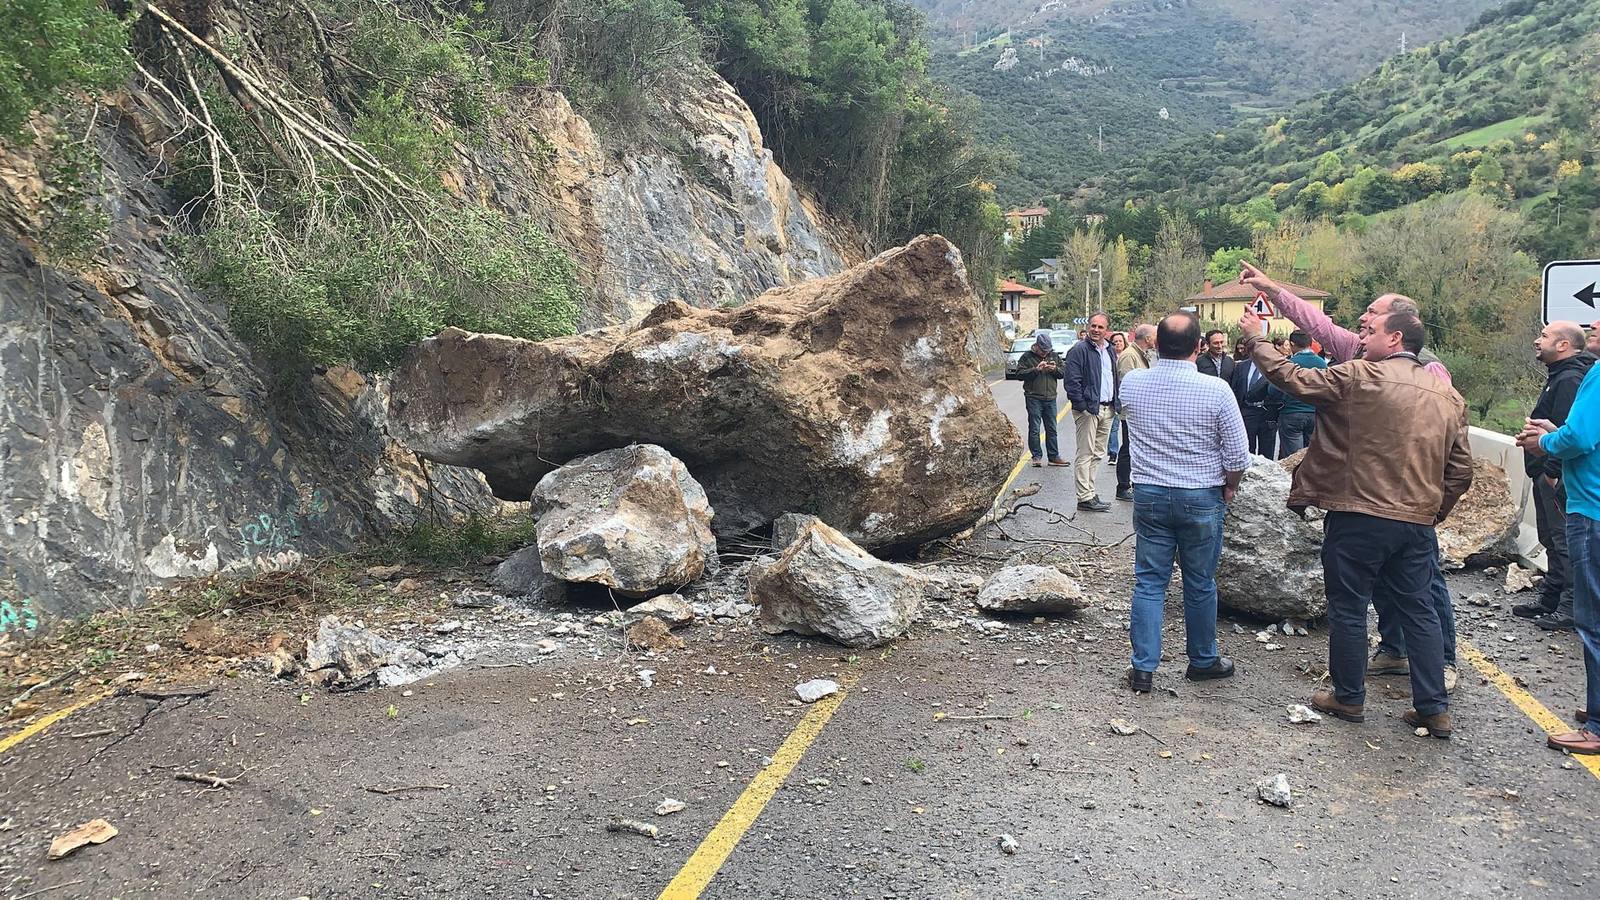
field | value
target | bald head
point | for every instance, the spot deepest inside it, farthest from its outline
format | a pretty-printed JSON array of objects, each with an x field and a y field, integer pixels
[
  {"x": 1145, "y": 336},
  {"x": 1558, "y": 341}
]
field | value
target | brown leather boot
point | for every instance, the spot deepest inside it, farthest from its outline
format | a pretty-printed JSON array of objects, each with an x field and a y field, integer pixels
[
  {"x": 1323, "y": 700},
  {"x": 1437, "y": 724}
]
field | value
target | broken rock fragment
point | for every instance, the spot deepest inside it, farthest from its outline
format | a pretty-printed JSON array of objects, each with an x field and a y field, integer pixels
[
  {"x": 653, "y": 634},
  {"x": 632, "y": 519},
  {"x": 1271, "y": 558},
  {"x": 96, "y": 831},
  {"x": 825, "y": 585},
  {"x": 815, "y": 689},
  {"x": 522, "y": 575},
  {"x": 353, "y": 653},
  {"x": 1276, "y": 791},
  {"x": 1031, "y": 589},
  {"x": 858, "y": 398},
  {"x": 669, "y": 608}
]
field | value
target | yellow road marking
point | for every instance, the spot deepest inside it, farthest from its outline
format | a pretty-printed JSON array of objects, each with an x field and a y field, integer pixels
[
  {"x": 51, "y": 719},
  {"x": 1016, "y": 470},
  {"x": 1524, "y": 701},
  {"x": 718, "y": 845}
]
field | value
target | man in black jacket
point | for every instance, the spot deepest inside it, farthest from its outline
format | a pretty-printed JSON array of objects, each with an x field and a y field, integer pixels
[
  {"x": 1091, "y": 382},
  {"x": 1258, "y": 405},
  {"x": 1216, "y": 361},
  {"x": 1040, "y": 371},
  {"x": 1560, "y": 347}
]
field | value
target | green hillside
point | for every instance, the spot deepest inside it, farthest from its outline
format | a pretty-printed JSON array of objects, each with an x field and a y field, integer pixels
[
  {"x": 1050, "y": 77},
  {"x": 1507, "y": 110}
]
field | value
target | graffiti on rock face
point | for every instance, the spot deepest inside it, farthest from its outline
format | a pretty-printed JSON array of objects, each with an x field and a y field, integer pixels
[
  {"x": 276, "y": 532},
  {"x": 19, "y": 615}
]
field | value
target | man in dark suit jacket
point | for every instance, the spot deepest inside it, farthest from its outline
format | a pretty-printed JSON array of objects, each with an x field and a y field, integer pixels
[
  {"x": 1258, "y": 405},
  {"x": 1216, "y": 361}
]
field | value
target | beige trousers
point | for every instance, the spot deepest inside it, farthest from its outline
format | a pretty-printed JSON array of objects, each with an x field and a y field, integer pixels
[{"x": 1093, "y": 432}]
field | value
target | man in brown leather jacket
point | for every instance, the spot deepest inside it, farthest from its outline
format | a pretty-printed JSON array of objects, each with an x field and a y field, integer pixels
[{"x": 1388, "y": 462}]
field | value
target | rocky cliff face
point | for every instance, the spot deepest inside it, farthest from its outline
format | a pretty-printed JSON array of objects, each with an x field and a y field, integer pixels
[{"x": 139, "y": 441}]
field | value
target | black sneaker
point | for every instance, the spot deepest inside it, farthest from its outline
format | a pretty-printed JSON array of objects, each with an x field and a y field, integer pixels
[
  {"x": 1141, "y": 682},
  {"x": 1222, "y": 668},
  {"x": 1532, "y": 610},
  {"x": 1554, "y": 622},
  {"x": 1125, "y": 494},
  {"x": 1095, "y": 505}
]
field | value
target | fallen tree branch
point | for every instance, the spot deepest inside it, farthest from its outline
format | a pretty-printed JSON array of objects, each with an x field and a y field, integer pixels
[
  {"x": 995, "y": 513},
  {"x": 98, "y": 732},
  {"x": 410, "y": 787},
  {"x": 174, "y": 693},
  {"x": 216, "y": 782},
  {"x": 46, "y": 890},
  {"x": 48, "y": 682}
]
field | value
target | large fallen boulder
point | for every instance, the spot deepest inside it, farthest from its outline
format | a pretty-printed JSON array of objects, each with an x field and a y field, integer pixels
[
  {"x": 825, "y": 585},
  {"x": 1483, "y": 526},
  {"x": 1031, "y": 590},
  {"x": 1271, "y": 558},
  {"x": 631, "y": 519},
  {"x": 856, "y": 398}
]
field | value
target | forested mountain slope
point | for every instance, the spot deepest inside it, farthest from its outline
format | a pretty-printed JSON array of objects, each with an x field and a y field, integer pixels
[
  {"x": 1050, "y": 75},
  {"x": 1507, "y": 110}
]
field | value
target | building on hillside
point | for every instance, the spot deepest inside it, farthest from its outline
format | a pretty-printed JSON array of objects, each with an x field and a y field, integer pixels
[
  {"x": 1224, "y": 303},
  {"x": 1021, "y": 221},
  {"x": 1048, "y": 273},
  {"x": 1022, "y": 303}
]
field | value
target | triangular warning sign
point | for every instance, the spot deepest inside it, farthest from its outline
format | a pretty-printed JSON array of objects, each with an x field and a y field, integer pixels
[{"x": 1261, "y": 306}]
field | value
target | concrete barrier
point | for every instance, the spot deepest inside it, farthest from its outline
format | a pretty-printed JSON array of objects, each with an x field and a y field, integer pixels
[{"x": 1500, "y": 449}]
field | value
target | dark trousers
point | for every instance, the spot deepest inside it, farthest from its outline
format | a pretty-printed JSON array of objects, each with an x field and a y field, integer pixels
[
  {"x": 1125, "y": 460},
  {"x": 1261, "y": 430},
  {"x": 1042, "y": 416},
  {"x": 1391, "y": 630},
  {"x": 1362, "y": 554},
  {"x": 1550, "y": 509}
]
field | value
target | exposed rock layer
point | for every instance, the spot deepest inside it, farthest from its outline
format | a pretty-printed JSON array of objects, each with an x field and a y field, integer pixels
[{"x": 856, "y": 398}]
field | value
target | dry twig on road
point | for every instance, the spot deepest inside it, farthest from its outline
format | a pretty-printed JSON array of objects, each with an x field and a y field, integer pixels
[
  {"x": 216, "y": 782},
  {"x": 405, "y": 788}
]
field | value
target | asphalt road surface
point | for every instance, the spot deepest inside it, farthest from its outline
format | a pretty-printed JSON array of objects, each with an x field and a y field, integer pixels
[{"x": 500, "y": 781}]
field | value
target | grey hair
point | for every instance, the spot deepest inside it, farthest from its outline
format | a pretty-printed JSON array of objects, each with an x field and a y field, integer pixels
[
  {"x": 1143, "y": 332},
  {"x": 1100, "y": 314},
  {"x": 1400, "y": 303}
]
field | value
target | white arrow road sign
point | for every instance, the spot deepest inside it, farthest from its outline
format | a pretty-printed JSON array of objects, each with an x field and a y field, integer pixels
[{"x": 1572, "y": 291}]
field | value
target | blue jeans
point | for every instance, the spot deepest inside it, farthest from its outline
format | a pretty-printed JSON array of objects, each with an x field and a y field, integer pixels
[
  {"x": 1294, "y": 432},
  {"x": 1114, "y": 443},
  {"x": 1042, "y": 411},
  {"x": 1392, "y": 637},
  {"x": 1186, "y": 524},
  {"x": 1583, "y": 555}
]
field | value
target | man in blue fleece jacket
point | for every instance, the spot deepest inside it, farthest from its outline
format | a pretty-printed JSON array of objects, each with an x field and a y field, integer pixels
[{"x": 1577, "y": 445}]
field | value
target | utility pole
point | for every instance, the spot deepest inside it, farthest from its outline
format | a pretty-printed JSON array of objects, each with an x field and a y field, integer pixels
[
  {"x": 1086, "y": 298},
  {"x": 1402, "y": 43},
  {"x": 1102, "y": 139},
  {"x": 1100, "y": 287}
]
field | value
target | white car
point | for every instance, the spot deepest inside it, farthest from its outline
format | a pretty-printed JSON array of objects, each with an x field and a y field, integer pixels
[{"x": 1018, "y": 347}]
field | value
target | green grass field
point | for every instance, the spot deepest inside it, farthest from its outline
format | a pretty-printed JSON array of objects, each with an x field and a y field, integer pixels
[{"x": 1510, "y": 129}]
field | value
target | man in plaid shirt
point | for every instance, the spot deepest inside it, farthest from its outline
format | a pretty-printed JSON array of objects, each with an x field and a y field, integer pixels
[{"x": 1187, "y": 462}]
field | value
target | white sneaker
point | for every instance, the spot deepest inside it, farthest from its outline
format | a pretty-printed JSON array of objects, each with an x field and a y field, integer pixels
[{"x": 1450, "y": 678}]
